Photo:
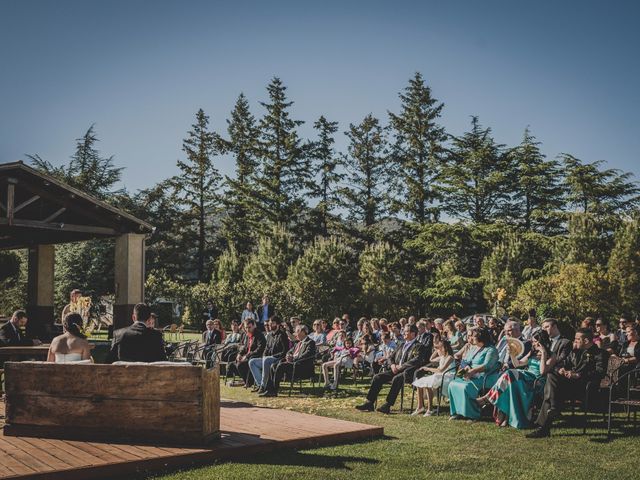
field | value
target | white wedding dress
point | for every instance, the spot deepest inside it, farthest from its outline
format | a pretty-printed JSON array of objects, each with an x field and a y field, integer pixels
[{"x": 70, "y": 358}]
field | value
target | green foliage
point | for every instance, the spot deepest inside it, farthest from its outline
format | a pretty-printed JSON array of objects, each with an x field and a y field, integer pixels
[
  {"x": 576, "y": 291},
  {"x": 451, "y": 292},
  {"x": 13, "y": 281},
  {"x": 600, "y": 192},
  {"x": 195, "y": 302},
  {"x": 241, "y": 219},
  {"x": 160, "y": 286},
  {"x": 325, "y": 187},
  {"x": 588, "y": 241},
  {"x": 266, "y": 269},
  {"x": 284, "y": 173},
  {"x": 385, "y": 280},
  {"x": 539, "y": 195},
  {"x": 516, "y": 259},
  {"x": 478, "y": 178},
  {"x": 417, "y": 152},
  {"x": 226, "y": 284},
  {"x": 196, "y": 191},
  {"x": 321, "y": 282},
  {"x": 624, "y": 267},
  {"x": 165, "y": 249},
  {"x": 367, "y": 166}
]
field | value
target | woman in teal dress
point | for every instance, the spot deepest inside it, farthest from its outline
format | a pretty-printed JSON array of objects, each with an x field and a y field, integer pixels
[
  {"x": 513, "y": 393},
  {"x": 479, "y": 366}
]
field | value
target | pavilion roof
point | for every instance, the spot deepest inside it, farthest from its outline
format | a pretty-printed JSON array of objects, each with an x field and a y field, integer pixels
[{"x": 38, "y": 209}]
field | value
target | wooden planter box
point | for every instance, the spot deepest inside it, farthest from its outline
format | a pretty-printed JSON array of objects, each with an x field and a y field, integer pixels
[{"x": 161, "y": 404}]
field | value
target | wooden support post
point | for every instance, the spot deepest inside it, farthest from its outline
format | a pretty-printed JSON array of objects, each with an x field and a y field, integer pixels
[
  {"x": 129, "y": 277},
  {"x": 11, "y": 193},
  {"x": 40, "y": 282}
]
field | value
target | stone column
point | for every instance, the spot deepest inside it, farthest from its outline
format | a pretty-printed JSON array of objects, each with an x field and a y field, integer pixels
[
  {"x": 129, "y": 277},
  {"x": 40, "y": 292}
]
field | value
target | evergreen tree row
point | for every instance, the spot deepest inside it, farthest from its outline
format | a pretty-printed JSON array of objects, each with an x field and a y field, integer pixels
[{"x": 440, "y": 202}]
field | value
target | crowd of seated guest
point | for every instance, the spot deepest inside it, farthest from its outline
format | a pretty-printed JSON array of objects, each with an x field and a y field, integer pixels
[{"x": 508, "y": 367}]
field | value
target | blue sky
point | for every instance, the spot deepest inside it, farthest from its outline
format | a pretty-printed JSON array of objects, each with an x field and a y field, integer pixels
[{"x": 140, "y": 70}]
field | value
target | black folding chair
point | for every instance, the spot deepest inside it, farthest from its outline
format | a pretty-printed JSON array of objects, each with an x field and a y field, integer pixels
[{"x": 311, "y": 376}]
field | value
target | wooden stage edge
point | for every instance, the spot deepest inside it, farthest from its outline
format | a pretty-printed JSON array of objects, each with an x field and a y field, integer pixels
[{"x": 246, "y": 430}]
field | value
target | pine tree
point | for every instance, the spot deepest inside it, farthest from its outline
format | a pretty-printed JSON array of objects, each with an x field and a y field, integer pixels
[
  {"x": 320, "y": 283},
  {"x": 539, "y": 193},
  {"x": 385, "y": 280},
  {"x": 241, "y": 217},
  {"x": 417, "y": 152},
  {"x": 366, "y": 164},
  {"x": 478, "y": 178},
  {"x": 588, "y": 241},
  {"x": 266, "y": 268},
  {"x": 592, "y": 190},
  {"x": 87, "y": 170},
  {"x": 226, "y": 283},
  {"x": 197, "y": 188},
  {"x": 517, "y": 258},
  {"x": 325, "y": 163},
  {"x": 164, "y": 248},
  {"x": 284, "y": 175}
]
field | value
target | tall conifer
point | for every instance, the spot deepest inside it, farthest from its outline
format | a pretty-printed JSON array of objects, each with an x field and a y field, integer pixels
[
  {"x": 478, "y": 178},
  {"x": 240, "y": 218},
  {"x": 366, "y": 163},
  {"x": 197, "y": 189},
  {"x": 539, "y": 193},
  {"x": 284, "y": 173},
  {"x": 417, "y": 152}
]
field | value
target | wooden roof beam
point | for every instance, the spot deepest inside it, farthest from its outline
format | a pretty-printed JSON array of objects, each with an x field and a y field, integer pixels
[{"x": 25, "y": 203}]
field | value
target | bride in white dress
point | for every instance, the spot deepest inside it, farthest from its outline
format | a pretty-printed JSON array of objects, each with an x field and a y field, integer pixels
[{"x": 72, "y": 346}]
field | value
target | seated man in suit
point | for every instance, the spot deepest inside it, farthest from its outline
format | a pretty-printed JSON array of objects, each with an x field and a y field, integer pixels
[
  {"x": 137, "y": 342},
  {"x": 253, "y": 347},
  {"x": 298, "y": 362},
  {"x": 587, "y": 364},
  {"x": 425, "y": 336},
  {"x": 277, "y": 347},
  {"x": 399, "y": 370},
  {"x": 10, "y": 335}
]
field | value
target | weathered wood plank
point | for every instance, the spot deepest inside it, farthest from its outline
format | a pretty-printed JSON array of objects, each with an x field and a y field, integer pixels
[
  {"x": 172, "y": 383},
  {"x": 146, "y": 403},
  {"x": 47, "y": 457},
  {"x": 136, "y": 415}
]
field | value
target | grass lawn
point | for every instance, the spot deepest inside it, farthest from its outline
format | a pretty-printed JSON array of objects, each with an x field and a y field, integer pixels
[{"x": 433, "y": 448}]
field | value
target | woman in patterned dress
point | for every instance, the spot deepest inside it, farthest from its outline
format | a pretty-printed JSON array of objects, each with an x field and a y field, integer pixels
[{"x": 513, "y": 393}]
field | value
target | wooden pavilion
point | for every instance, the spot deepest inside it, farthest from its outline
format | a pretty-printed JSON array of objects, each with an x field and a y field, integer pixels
[{"x": 37, "y": 212}]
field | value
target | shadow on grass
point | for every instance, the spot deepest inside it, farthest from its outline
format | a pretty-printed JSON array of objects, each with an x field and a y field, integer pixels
[{"x": 305, "y": 459}]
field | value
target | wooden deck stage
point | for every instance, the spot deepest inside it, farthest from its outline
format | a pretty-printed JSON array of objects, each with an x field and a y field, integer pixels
[{"x": 246, "y": 430}]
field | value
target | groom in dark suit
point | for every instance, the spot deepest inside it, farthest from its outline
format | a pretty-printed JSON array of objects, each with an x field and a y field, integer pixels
[
  {"x": 137, "y": 343},
  {"x": 399, "y": 370},
  {"x": 585, "y": 366},
  {"x": 10, "y": 334}
]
